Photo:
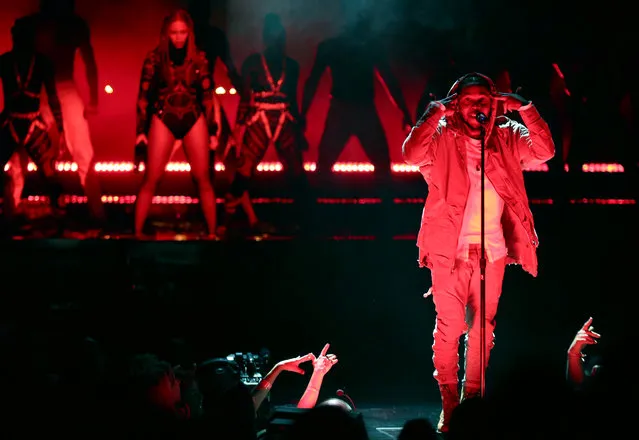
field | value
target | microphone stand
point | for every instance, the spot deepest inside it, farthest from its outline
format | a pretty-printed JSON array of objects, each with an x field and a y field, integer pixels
[
  {"x": 341, "y": 393},
  {"x": 482, "y": 273}
]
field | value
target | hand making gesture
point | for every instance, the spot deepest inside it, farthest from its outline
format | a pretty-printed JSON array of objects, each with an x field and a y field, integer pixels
[
  {"x": 450, "y": 102},
  {"x": 512, "y": 101},
  {"x": 260, "y": 392},
  {"x": 585, "y": 336},
  {"x": 323, "y": 363},
  {"x": 293, "y": 365}
]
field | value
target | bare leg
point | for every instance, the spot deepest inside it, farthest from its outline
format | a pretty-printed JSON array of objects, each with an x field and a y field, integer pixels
[
  {"x": 7, "y": 148},
  {"x": 252, "y": 152},
  {"x": 19, "y": 164},
  {"x": 160, "y": 147},
  {"x": 196, "y": 147}
]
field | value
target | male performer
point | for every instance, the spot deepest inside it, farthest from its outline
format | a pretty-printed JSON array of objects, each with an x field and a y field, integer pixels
[
  {"x": 58, "y": 33},
  {"x": 23, "y": 73},
  {"x": 354, "y": 58},
  {"x": 269, "y": 115},
  {"x": 446, "y": 146}
]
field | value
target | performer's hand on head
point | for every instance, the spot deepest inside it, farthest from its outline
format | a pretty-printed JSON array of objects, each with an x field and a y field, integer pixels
[
  {"x": 450, "y": 102},
  {"x": 585, "y": 336},
  {"x": 512, "y": 102},
  {"x": 324, "y": 362},
  {"x": 293, "y": 365},
  {"x": 428, "y": 293}
]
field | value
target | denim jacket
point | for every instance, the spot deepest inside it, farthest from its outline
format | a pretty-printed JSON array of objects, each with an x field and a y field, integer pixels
[{"x": 436, "y": 145}]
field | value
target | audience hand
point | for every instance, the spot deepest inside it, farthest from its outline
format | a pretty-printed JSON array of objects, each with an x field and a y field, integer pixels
[
  {"x": 293, "y": 364},
  {"x": 324, "y": 362},
  {"x": 585, "y": 336}
]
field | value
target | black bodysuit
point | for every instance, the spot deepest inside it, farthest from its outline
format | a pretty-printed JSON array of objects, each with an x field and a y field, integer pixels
[
  {"x": 178, "y": 91},
  {"x": 21, "y": 124}
]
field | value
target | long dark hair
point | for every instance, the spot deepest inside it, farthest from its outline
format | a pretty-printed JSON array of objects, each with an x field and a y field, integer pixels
[{"x": 177, "y": 15}]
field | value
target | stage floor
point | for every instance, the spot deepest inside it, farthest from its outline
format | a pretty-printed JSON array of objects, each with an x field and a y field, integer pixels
[{"x": 386, "y": 422}]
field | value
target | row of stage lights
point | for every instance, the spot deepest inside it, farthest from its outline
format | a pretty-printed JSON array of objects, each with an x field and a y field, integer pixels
[
  {"x": 187, "y": 200},
  {"x": 343, "y": 167},
  {"x": 108, "y": 89},
  {"x": 275, "y": 167}
]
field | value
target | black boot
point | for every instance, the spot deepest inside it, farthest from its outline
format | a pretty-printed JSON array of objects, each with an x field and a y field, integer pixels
[{"x": 450, "y": 401}]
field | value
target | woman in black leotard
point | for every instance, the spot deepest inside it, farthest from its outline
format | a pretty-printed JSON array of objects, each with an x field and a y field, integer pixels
[{"x": 176, "y": 101}]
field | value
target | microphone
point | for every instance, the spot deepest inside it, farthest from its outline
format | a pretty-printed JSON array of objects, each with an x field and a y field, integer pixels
[
  {"x": 341, "y": 393},
  {"x": 481, "y": 118}
]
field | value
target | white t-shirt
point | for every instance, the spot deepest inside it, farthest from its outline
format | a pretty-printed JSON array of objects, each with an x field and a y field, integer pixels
[{"x": 494, "y": 207}]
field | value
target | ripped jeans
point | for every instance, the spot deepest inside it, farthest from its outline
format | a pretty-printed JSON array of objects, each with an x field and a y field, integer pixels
[{"x": 456, "y": 295}]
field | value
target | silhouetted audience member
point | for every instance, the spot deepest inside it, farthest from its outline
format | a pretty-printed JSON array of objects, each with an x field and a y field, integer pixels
[
  {"x": 418, "y": 429},
  {"x": 227, "y": 405},
  {"x": 152, "y": 403},
  {"x": 473, "y": 419},
  {"x": 328, "y": 422},
  {"x": 338, "y": 403},
  {"x": 533, "y": 399}
]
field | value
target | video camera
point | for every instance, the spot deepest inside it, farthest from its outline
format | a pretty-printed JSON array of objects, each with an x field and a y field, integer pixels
[{"x": 252, "y": 367}]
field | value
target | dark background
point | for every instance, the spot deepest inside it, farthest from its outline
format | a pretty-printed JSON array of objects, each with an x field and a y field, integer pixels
[{"x": 364, "y": 297}]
